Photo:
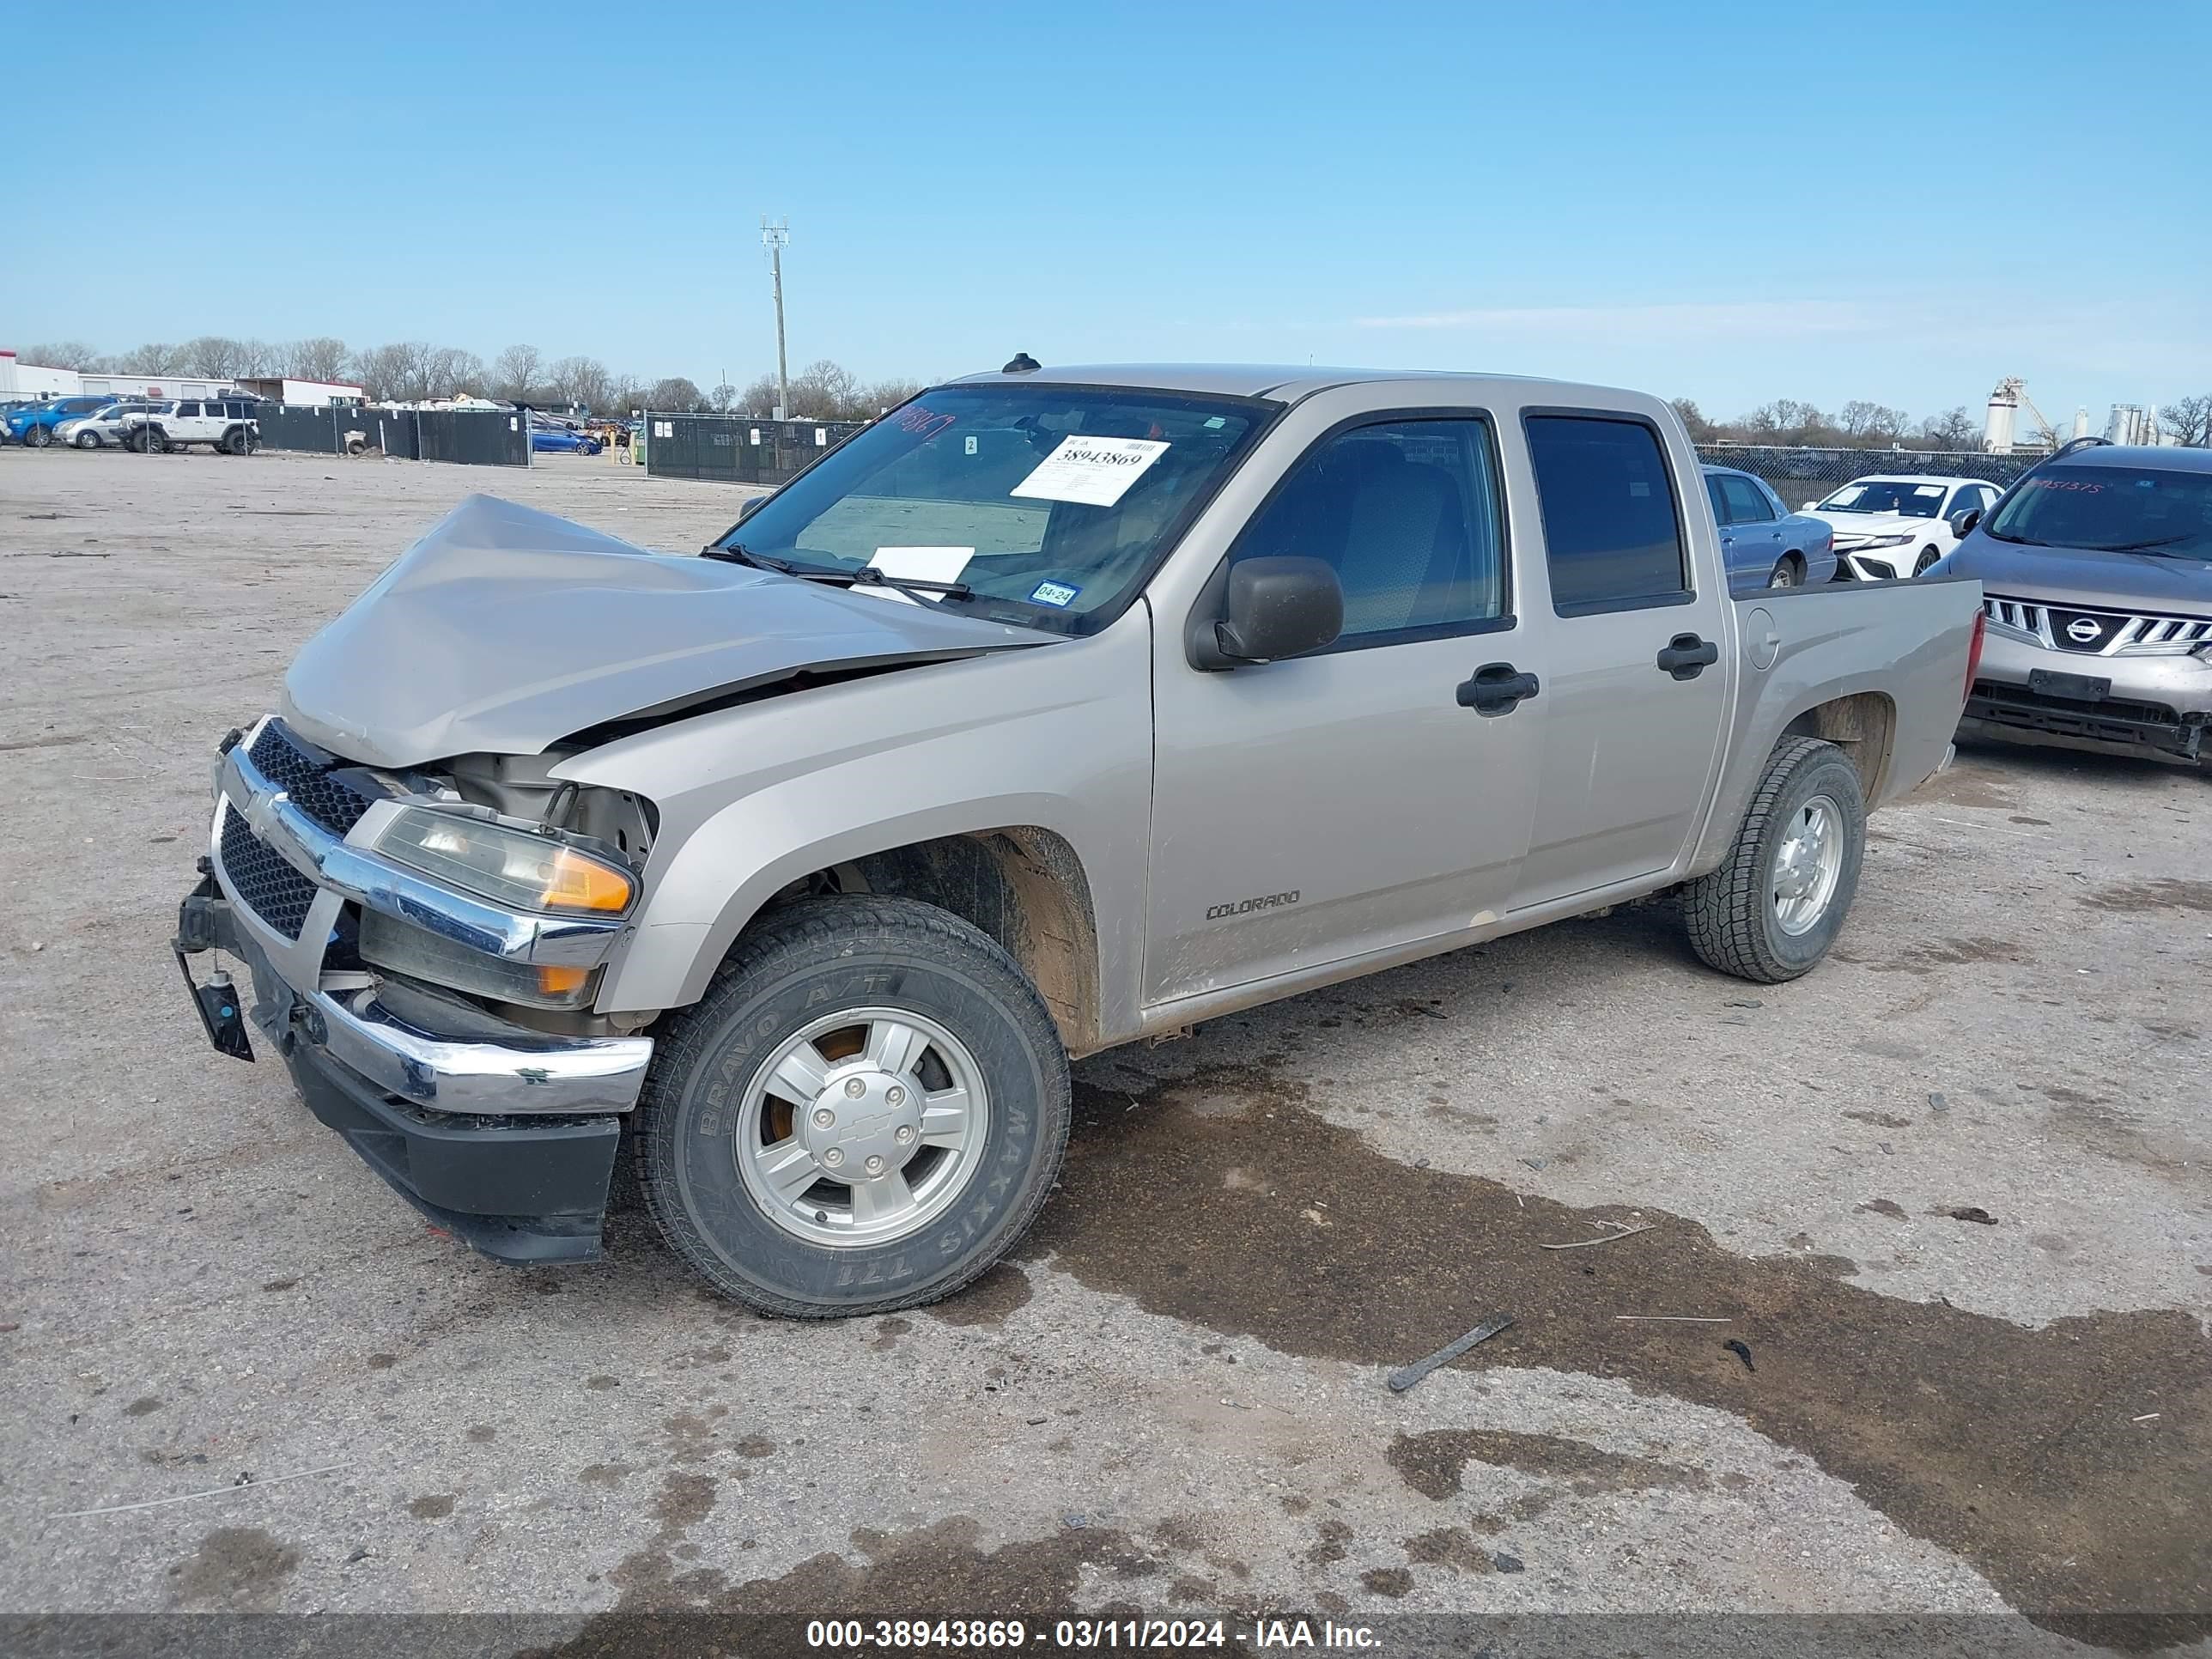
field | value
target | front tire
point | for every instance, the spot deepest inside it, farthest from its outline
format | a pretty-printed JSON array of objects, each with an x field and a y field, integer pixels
[
  {"x": 1775, "y": 905},
  {"x": 87, "y": 440},
  {"x": 1928, "y": 558},
  {"x": 865, "y": 1112},
  {"x": 39, "y": 437}
]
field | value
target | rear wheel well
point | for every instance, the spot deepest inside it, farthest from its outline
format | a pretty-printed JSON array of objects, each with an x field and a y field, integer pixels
[
  {"x": 1861, "y": 725},
  {"x": 1022, "y": 885}
]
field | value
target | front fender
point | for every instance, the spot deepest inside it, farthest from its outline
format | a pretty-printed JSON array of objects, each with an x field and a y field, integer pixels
[{"x": 755, "y": 798}]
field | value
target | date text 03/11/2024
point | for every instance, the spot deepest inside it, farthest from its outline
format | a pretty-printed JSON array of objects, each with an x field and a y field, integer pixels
[{"x": 862, "y": 1636}]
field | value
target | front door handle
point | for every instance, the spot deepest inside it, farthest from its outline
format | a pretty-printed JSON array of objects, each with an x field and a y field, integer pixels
[
  {"x": 1686, "y": 656},
  {"x": 1495, "y": 688}
]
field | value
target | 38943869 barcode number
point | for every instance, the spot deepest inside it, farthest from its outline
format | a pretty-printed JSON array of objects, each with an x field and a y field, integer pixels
[{"x": 971, "y": 1633}]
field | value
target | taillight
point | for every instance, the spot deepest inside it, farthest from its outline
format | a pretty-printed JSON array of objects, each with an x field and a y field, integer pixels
[{"x": 1974, "y": 650}]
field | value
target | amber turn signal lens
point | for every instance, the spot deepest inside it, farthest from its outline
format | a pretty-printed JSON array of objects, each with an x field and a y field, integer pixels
[
  {"x": 559, "y": 982},
  {"x": 575, "y": 883}
]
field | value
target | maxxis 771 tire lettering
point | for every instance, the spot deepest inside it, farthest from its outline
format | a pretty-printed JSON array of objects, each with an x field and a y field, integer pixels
[
  {"x": 1731, "y": 914},
  {"x": 795, "y": 966}
]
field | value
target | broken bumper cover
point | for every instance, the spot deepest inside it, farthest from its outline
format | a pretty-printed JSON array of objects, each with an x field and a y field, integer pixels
[{"x": 507, "y": 1141}]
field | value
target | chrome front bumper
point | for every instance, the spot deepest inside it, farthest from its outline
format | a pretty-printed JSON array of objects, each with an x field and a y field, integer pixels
[{"x": 477, "y": 1063}]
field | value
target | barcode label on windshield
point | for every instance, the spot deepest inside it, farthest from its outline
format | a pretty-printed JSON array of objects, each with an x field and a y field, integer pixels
[{"x": 1094, "y": 471}]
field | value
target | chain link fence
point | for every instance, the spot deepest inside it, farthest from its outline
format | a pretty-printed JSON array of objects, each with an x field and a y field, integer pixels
[
  {"x": 1801, "y": 476},
  {"x": 736, "y": 448}
]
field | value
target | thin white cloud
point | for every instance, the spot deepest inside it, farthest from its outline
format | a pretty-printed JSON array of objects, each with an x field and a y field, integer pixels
[{"x": 1765, "y": 319}]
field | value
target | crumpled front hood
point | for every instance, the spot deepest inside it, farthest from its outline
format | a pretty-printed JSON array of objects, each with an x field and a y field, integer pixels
[
  {"x": 2145, "y": 583},
  {"x": 505, "y": 630}
]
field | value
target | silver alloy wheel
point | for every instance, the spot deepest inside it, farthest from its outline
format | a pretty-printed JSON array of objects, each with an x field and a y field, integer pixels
[
  {"x": 862, "y": 1127},
  {"x": 1808, "y": 865}
]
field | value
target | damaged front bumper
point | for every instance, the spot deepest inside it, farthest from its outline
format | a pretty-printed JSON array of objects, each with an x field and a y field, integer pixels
[{"x": 504, "y": 1136}]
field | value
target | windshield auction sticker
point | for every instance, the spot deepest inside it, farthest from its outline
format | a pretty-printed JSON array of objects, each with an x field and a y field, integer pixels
[{"x": 1094, "y": 471}]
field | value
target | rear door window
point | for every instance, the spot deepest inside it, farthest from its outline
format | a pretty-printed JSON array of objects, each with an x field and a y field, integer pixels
[{"x": 1613, "y": 537}]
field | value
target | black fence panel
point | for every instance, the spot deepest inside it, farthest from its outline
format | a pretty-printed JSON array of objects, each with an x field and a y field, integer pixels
[
  {"x": 471, "y": 437},
  {"x": 736, "y": 449},
  {"x": 1799, "y": 476}
]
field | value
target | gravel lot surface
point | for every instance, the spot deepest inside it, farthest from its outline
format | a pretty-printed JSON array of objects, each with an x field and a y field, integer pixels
[{"x": 1173, "y": 1399}]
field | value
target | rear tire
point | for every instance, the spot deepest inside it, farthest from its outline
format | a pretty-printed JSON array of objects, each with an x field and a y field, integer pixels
[
  {"x": 1787, "y": 573},
  {"x": 963, "y": 1183},
  {"x": 1775, "y": 905}
]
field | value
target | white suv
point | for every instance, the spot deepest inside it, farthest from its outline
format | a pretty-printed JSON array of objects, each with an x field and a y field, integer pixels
[{"x": 225, "y": 424}]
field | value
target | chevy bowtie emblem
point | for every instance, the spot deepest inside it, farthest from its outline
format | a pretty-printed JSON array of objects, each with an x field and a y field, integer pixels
[{"x": 2084, "y": 629}]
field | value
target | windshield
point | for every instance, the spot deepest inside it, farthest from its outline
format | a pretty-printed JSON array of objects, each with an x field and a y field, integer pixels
[
  {"x": 1050, "y": 503},
  {"x": 1913, "y": 501},
  {"x": 2111, "y": 509}
]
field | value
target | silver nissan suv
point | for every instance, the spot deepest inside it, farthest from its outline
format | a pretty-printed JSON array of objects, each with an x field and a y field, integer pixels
[{"x": 2096, "y": 574}]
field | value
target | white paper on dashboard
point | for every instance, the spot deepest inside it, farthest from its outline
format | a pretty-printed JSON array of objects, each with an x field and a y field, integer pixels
[
  {"x": 917, "y": 564},
  {"x": 1093, "y": 472}
]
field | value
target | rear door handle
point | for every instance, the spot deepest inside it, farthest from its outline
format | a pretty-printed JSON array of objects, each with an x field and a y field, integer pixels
[
  {"x": 1496, "y": 689},
  {"x": 1686, "y": 656}
]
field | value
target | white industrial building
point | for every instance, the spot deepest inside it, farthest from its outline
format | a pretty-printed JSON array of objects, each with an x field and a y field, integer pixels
[{"x": 21, "y": 379}]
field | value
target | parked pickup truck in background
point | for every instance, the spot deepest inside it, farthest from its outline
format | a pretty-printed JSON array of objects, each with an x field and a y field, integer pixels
[
  {"x": 2096, "y": 569},
  {"x": 1054, "y": 710}
]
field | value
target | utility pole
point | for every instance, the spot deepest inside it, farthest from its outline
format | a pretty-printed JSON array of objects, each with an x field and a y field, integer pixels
[{"x": 775, "y": 238}]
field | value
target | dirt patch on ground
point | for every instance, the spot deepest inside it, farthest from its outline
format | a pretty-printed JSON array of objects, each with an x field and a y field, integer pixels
[
  {"x": 1943, "y": 953},
  {"x": 2015, "y": 1448},
  {"x": 2165, "y": 894},
  {"x": 1435, "y": 1464},
  {"x": 234, "y": 1567},
  {"x": 1970, "y": 786}
]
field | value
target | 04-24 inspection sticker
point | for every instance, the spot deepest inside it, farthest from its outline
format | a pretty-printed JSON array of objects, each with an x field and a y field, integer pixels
[{"x": 1094, "y": 471}]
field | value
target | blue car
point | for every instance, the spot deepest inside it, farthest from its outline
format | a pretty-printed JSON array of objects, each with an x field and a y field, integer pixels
[
  {"x": 560, "y": 440},
  {"x": 1763, "y": 542},
  {"x": 35, "y": 423}
]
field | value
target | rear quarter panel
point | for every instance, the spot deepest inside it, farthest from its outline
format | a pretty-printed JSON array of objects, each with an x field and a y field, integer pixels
[{"x": 1905, "y": 642}]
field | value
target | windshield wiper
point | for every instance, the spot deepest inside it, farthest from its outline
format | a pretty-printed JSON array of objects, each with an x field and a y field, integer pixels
[
  {"x": 865, "y": 576},
  {"x": 2145, "y": 547},
  {"x": 737, "y": 553}
]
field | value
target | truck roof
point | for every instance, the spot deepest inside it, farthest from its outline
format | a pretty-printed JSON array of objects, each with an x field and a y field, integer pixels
[{"x": 1285, "y": 382}]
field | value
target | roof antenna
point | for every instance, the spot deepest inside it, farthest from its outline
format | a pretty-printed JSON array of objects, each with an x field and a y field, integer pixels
[{"x": 1023, "y": 363}]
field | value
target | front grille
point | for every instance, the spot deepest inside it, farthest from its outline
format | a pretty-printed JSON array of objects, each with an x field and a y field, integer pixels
[
  {"x": 260, "y": 879},
  {"x": 305, "y": 773},
  {"x": 2098, "y": 632}
]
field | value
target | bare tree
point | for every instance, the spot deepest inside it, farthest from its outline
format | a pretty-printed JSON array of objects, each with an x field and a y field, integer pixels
[
  {"x": 152, "y": 358},
  {"x": 758, "y": 400},
  {"x": 2188, "y": 420},
  {"x": 450, "y": 372},
  {"x": 1701, "y": 430},
  {"x": 580, "y": 380},
  {"x": 624, "y": 393},
  {"x": 884, "y": 397},
  {"x": 397, "y": 372},
  {"x": 1870, "y": 422},
  {"x": 61, "y": 354},
  {"x": 677, "y": 395},
  {"x": 214, "y": 355},
  {"x": 724, "y": 397},
  {"x": 320, "y": 358},
  {"x": 823, "y": 390},
  {"x": 259, "y": 358},
  {"x": 1953, "y": 429},
  {"x": 515, "y": 371}
]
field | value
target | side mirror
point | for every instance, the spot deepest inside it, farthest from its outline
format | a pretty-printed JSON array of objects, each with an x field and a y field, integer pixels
[
  {"x": 1279, "y": 607},
  {"x": 1963, "y": 522},
  {"x": 1808, "y": 507},
  {"x": 749, "y": 507}
]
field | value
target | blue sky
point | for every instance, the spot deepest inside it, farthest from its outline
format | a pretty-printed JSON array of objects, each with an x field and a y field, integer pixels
[{"x": 1731, "y": 202}]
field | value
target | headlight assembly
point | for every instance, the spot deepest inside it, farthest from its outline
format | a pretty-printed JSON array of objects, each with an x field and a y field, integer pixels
[
  {"x": 516, "y": 868},
  {"x": 1885, "y": 541}
]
